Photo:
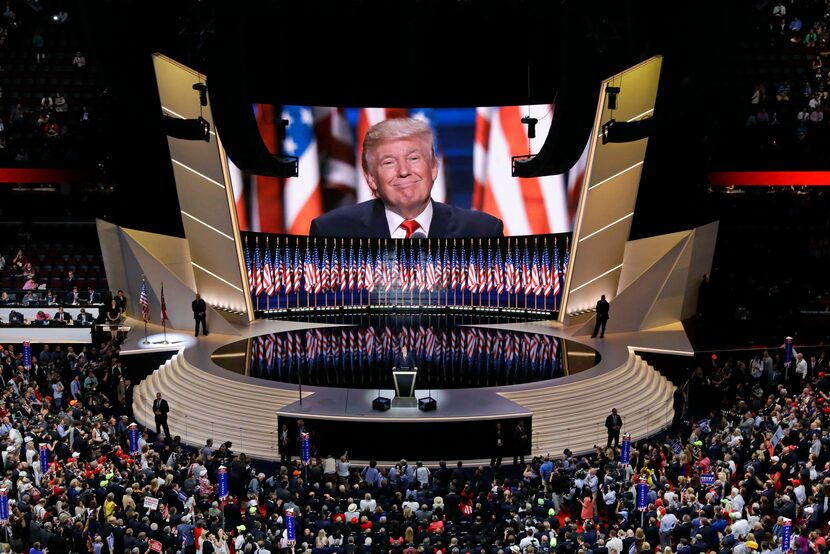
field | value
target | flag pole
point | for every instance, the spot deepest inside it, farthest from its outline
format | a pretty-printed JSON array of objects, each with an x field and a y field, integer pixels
[
  {"x": 538, "y": 272},
  {"x": 525, "y": 276},
  {"x": 164, "y": 314},
  {"x": 271, "y": 278},
  {"x": 556, "y": 269},
  {"x": 257, "y": 270},
  {"x": 547, "y": 274},
  {"x": 453, "y": 272},
  {"x": 144, "y": 313},
  {"x": 325, "y": 287}
]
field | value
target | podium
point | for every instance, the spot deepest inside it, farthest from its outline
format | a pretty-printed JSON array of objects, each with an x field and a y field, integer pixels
[
  {"x": 404, "y": 382},
  {"x": 404, "y": 379}
]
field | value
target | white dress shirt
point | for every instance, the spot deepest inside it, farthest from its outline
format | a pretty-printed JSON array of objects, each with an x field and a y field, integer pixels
[{"x": 394, "y": 221}]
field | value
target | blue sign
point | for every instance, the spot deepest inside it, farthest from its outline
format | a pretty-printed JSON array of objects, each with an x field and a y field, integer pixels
[
  {"x": 44, "y": 459},
  {"x": 625, "y": 455},
  {"x": 788, "y": 350},
  {"x": 786, "y": 534},
  {"x": 305, "y": 450},
  {"x": 642, "y": 495},
  {"x": 776, "y": 438},
  {"x": 4, "y": 505},
  {"x": 289, "y": 526},
  {"x": 223, "y": 482},
  {"x": 27, "y": 355},
  {"x": 132, "y": 432},
  {"x": 707, "y": 478}
]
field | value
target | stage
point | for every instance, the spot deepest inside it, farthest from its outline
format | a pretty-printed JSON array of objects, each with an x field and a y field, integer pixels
[{"x": 212, "y": 394}]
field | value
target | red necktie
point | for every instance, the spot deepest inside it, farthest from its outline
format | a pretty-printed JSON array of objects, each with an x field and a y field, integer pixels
[{"x": 410, "y": 226}]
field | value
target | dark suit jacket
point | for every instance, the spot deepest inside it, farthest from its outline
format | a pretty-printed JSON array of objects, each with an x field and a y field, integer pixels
[
  {"x": 162, "y": 406},
  {"x": 602, "y": 309},
  {"x": 409, "y": 362},
  {"x": 368, "y": 219}
]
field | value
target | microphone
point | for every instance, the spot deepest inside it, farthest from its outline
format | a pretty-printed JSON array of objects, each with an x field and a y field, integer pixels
[{"x": 418, "y": 234}]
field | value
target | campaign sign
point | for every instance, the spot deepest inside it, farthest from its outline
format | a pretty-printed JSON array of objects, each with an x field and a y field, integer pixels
[
  {"x": 786, "y": 534},
  {"x": 625, "y": 455},
  {"x": 132, "y": 432},
  {"x": 155, "y": 546},
  {"x": 44, "y": 459},
  {"x": 4, "y": 505},
  {"x": 788, "y": 350},
  {"x": 223, "y": 482},
  {"x": 151, "y": 503},
  {"x": 289, "y": 526},
  {"x": 642, "y": 495},
  {"x": 305, "y": 449},
  {"x": 707, "y": 478},
  {"x": 27, "y": 355}
]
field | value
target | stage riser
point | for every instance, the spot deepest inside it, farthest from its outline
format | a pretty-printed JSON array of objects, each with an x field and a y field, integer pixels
[{"x": 205, "y": 405}]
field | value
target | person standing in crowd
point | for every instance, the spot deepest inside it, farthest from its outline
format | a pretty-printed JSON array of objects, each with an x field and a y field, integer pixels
[
  {"x": 602, "y": 317},
  {"x": 519, "y": 443},
  {"x": 613, "y": 423},
  {"x": 121, "y": 301},
  {"x": 160, "y": 410},
  {"x": 200, "y": 314},
  {"x": 498, "y": 446}
]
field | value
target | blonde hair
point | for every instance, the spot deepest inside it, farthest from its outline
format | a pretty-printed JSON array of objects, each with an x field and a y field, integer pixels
[{"x": 395, "y": 129}]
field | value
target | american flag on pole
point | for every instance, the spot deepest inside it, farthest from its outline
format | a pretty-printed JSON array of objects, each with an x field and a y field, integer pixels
[
  {"x": 163, "y": 306},
  {"x": 258, "y": 284},
  {"x": 143, "y": 300},
  {"x": 250, "y": 267},
  {"x": 268, "y": 273}
]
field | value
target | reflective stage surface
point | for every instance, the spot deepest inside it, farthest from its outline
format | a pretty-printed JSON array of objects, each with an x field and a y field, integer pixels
[{"x": 448, "y": 351}]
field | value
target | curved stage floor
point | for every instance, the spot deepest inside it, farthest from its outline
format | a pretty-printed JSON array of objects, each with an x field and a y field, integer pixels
[
  {"x": 450, "y": 352},
  {"x": 215, "y": 392}
]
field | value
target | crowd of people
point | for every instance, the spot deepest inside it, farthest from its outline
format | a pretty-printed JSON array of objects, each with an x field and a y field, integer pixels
[
  {"x": 38, "y": 124},
  {"x": 762, "y": 438},
  {"x": 788, "y": 114}
]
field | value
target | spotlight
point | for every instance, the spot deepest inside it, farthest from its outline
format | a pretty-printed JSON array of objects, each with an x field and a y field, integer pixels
[
  {"x": 531, "y": 125},
  {"x": 612, "y": 93},
  {"x": 186, "y": 129},
  {"x": 623, "y": 131},
  {"x": 202, "y": 88}
]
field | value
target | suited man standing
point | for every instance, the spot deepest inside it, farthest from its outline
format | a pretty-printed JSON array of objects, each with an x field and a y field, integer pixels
[
  {"x": 400, "y": 166},
  {"x": 200, "y": 314},
  {"x": 404, "y": 359},
  {"x": 161, "y": 409},
  {"x": 602, "y": 317},
  {"x": 613, "y": 423}
]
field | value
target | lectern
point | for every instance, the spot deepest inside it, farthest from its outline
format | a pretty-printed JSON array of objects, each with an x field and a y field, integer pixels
[{"x": 404, "y": 382}]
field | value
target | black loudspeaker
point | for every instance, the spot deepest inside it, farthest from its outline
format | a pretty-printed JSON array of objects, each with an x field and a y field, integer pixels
[
  {"x": 427, "y": 404},
  {"x": 381, "y": 403}
]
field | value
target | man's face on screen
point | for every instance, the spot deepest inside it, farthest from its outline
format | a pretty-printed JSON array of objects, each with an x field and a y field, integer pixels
[{"x": 401, "y": 173}]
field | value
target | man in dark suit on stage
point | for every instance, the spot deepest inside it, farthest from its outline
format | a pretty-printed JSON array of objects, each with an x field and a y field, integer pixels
[
  {"x": 602, "y": 317},
  {"x": 160, "y": 410},
  {"x": 400, "y": 167},
  {"x": 404, "y": 359},
  {"x": 200, "y": 313}
]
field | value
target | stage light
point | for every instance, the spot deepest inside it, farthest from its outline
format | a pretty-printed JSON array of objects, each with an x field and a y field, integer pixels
[
  {"x": 612, "y": 93},
  {"x": 186, "y": 129},
  {"x": 531, "y": 125},
  {"x": 625, "y": 131},
  {"x": 202, "y": 88}
]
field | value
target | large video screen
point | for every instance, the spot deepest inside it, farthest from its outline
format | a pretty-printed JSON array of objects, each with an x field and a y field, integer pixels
[{"x": 474, "y": 149}]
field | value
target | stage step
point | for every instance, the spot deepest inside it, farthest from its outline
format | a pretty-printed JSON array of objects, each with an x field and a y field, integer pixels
[{"x": 206, "y": 405}]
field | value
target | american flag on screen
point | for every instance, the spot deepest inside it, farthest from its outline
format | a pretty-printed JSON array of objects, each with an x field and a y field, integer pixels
[
  {"x": 144, "y": 301},
  {"x": 527, "y": 206},
  {"x": 301, "y": 195}
]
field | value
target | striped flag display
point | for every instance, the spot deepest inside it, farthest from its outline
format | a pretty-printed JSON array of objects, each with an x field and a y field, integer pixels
[{"x": 144, "y": 301}]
